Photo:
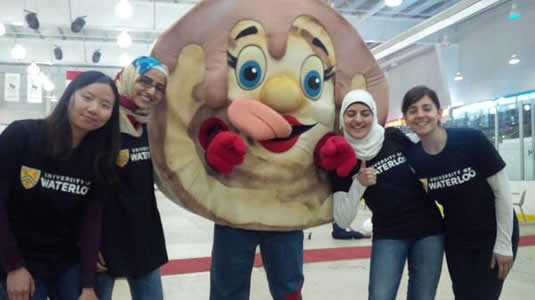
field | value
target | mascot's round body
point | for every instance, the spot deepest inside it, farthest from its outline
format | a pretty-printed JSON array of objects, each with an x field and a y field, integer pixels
[{"x": 253, "y": 89}]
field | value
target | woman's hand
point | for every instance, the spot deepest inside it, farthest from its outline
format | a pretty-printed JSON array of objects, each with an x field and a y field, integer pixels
[
  {"x": 101, "y": 263},
  {"x": 20, "y": 284},
  {"x": 366, "y": 176},
  {"x": 88, "y": 294},
  {"x": 504, "y": 263}
]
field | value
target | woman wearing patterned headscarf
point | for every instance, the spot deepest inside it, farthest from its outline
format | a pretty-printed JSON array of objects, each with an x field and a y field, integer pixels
[{"x": 133, "y": 244}]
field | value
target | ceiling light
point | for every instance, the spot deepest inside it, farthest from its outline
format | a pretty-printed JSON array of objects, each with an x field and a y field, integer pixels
[
  {"x": 58, "y": 53},
  {"x": 123, "y": 9},
  {"x": 124, "y": 40},
  {"x": 31, "y": 20},
  {"x": 515, "y": 12},
  {"x": 2, "y": 29},
  {"x": 393, "y": 3},
  {"x": 124, "y": 59},
  {"x": 33, "y": 69},
  {"x": 527, "y": 107},
  {"x": 78, "y": 24},
  {"x": 458, "y": 76},
  {"x": 18, "y": 52},
  {"x": 514, "y": 59},
  {"x": 96, "y": 56}
]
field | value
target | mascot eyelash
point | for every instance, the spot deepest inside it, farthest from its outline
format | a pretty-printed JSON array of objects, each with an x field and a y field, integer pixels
[{"x": 327, "y": 74}]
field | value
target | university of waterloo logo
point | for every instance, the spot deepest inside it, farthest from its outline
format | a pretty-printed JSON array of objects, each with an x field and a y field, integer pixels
[
  {"x": 29, "y": 177},
  {"x": 124, "y": 156}
]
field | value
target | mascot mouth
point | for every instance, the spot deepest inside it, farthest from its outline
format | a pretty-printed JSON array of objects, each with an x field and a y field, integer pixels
[{"x": 279, "y": 145}]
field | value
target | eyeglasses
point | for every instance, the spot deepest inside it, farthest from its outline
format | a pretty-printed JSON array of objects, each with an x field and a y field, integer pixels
[{"x": 147, "y": 83}]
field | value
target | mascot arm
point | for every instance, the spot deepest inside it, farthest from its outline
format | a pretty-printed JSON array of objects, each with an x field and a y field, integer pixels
[
  {"x": 224, "y": 148},
  {"x": 333, "y": 152}
]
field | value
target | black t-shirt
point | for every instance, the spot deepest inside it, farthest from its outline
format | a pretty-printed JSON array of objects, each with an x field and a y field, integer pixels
[
  {"x": 133, "y": 242},
  {"x": 457, "y": 179},
  {"x": 46, "y": 200},
  {"x": 401, "y": 209}
]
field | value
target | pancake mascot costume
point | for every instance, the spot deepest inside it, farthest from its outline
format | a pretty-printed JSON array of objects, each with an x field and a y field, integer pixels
[{"x": 246, "y": 133}]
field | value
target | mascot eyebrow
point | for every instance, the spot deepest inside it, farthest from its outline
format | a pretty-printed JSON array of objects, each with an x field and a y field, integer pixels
[{"x": 232, "y": 60}]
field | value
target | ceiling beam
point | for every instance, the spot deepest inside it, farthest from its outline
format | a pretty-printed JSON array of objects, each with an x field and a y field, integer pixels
[{"x": 448, "y": 17}]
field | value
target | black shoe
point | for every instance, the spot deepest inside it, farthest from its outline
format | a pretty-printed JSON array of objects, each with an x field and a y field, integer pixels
[{"x": 340, "y": 233}]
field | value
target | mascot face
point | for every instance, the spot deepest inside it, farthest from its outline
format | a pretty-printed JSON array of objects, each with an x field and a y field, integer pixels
[{"x": 272, "y": 85}]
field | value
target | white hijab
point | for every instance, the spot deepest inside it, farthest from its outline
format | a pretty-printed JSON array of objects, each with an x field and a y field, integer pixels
[{"x": 367, "y": 147}]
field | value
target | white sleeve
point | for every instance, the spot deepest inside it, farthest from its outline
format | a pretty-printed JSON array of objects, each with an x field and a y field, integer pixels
[
  {"x": 346, "y": 204},
  {"x": 503, "y": 202}
]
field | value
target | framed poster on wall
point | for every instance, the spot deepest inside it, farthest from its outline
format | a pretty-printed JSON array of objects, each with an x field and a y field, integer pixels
[
  {"x": 35, "y": 91},
  {"x": 11, "y": 87}
]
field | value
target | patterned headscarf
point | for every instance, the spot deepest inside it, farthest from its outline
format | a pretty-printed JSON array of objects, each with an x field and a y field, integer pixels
[{"x": 126, "y": 79}]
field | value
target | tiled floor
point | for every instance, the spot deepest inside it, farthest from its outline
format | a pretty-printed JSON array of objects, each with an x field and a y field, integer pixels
[{"x": 190, "y": 236}]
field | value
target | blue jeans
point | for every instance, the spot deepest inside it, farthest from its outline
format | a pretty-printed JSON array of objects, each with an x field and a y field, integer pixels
[
  {"x": 388, "y": 258},
  {"x": 144, "y": 287},
  {"x": 65, "y": 287},
  {"x": 233, "y": 256}
]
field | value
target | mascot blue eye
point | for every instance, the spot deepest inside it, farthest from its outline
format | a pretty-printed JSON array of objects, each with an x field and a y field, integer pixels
[
  {"x": 250, "y": 74},
  {"x": 312, "y": 84}
]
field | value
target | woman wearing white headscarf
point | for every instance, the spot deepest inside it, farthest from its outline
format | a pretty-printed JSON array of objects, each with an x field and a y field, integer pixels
[{"x": 407, "y": 225}]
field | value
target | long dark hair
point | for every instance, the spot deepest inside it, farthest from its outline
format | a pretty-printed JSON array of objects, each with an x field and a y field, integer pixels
[{"x": 105, "y": 141}]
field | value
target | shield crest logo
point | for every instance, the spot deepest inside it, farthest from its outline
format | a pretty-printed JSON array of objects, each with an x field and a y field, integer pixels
[
  {"x": 124, "y": 156},
  {"x": 29, "y": 177}
]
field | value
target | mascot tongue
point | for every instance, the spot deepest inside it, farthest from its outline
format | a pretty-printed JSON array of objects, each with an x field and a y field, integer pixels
[{"x": 257, "y": 120}]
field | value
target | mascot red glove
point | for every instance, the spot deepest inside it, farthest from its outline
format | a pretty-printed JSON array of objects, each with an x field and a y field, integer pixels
[{"x": 335, "y": 153}]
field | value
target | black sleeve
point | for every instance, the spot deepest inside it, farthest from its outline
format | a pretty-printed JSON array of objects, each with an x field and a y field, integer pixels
[
  {"x": 487, "y": 160},
  {"x": 13, "y": 141},
  {"x": 395, "y": 135},
  {"x": 342, "y": 183},
  {"x": 90, "y": 231}
]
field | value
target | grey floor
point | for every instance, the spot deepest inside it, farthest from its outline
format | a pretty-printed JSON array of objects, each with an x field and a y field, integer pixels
[{"x": 190, "y": 236}]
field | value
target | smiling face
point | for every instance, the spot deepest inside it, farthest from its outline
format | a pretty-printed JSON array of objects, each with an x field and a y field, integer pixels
[
  {"x": 91, "y": 107},
  {"x": 148, "y": 90},
  {"x": 422, "y": 116},
  {"x": 358, "y": 120},
  {"x": 297, "y": 87}
]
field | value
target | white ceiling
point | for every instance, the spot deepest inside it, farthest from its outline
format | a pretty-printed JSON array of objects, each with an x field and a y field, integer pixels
[{"x": 375, "y": 21}]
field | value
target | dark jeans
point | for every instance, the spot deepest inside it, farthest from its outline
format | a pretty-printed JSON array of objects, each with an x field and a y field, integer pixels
[
  {"x": 233, "y": 256},
  {"x": 470, "y": 272},
  {"x": 424, "y": 257},
  {"x": 143, "y": 287},
  {"x": 64, "y": 287}
]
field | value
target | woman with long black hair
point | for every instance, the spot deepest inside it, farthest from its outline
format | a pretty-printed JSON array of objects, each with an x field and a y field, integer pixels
[{"x": 55, "y": 174}]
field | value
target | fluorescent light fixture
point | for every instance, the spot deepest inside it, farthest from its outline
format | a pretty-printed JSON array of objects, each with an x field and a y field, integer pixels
[
  {"x": 393, "y": 3},
  {"x": 458, "y": 76},
  {"x": 18, "y": 52},
  {"x": 33, "y": 69},
  {"x": 124, "y": 59},
  {"x": 514, "y": 59},
  {"x": 2, "y": 29},
  {"x": 124, "y": 40},
  {"x": 515, "y": 12},
  {"x": 436, "y": 23},
  {"x": 123, "y": 9}
]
